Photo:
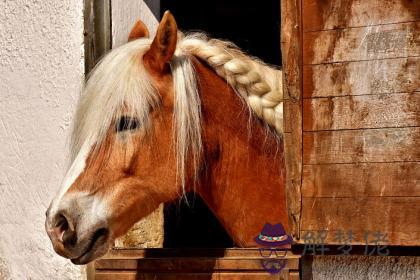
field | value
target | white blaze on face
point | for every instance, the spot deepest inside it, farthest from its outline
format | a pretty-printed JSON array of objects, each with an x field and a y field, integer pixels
[{"x": 77, "y": 167}]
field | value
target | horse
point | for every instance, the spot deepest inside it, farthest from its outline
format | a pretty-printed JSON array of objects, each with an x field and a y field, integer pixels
[{"x": 163, "y": 117}]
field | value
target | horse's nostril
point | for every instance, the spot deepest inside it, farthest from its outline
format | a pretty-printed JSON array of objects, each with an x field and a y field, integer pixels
[
  {"x": 64, "y": 230},
  {"x": 69, "y": 238},
  {"x": 61, "y": 223}
]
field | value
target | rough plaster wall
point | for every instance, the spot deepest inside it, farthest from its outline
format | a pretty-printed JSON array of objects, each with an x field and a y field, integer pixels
[
  {"x": 41, "y": 70},
  {"x": 365, "y": 268},
  {"x": 147, "y": 233}
]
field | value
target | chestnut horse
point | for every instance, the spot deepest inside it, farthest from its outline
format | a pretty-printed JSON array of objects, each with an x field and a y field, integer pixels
[{"x": 162, "y": 117}]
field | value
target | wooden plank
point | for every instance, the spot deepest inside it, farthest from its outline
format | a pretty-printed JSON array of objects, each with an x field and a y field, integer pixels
[
  {"x": 370, "y": 145},
  {"x": 206, "y": 263},
  {"x": 187, "y": 264},
  {"x": 331, "y": 14},
  {"x": 306, "y": 267},
  {"x": 395, "y": 216},
  {"x": 294, "y": 275},
  {"x": 361, "y": 180},
  {"x": 130, "y": 275},
  {"x": 363, "y": 43},
  {"x": 362, "y": 77},
  {"x": 226, "y": 253},
  {"x": 368, "y": 111},
  {"x": 398, "y": 238},
  {"x": 291, "y": 45}
]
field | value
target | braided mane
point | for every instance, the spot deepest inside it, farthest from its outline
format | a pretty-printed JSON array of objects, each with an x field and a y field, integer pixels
[{"x": 258, "y": 83}]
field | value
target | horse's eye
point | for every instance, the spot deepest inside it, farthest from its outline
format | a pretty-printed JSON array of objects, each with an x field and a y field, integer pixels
[{"x": 127, "y": 123}]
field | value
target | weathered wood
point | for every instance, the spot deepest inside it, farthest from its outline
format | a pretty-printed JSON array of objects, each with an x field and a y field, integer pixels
[
  {"x": 362, "y": 77},
  {"x": 371, "y": 145},
  {"x": 97, "y": 31},
  {"x": 185, "y": 264},
  {"x": 294, "y": 275},
  {"x": 361, "y": 180},
  {"x": 130, "y": 275},
  {"x": 332, "y": 14},
  {"x": 190, "y": 264},
  {"x": 395, "y": 216},
  {"x": 364, "y": 43},
  {"x": 398, "y": 238},
  {"x": 226, "y": 253},
  {"x": 360, "y": 118},
  {"x": 291, "y": 44},
  {"x": 306, "y": 267},
  {"x": 368, "y": 111}
]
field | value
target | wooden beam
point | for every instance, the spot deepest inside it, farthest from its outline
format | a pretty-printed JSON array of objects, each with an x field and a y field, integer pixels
[
  {"x": 364, "y": 145},
  {"x": 365, "y": 111},
  {"x": 363, "y": 43},
  {"x": 332, "y": 14},
  {"x": 397, "y": 217},
  {"x": 97, "y": 25},
  {"x": 229, "y": 264},
  {"x": 291, "y": 45},
  {"x": 361, "y": 179},
  {"x": 362, "y": 77}
]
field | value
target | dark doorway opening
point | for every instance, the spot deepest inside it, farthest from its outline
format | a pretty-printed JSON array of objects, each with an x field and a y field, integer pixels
[
  {"x": 189, "y": 223},
  {"x": 252, "y": 25},
  {"x": 255, "y": 28}
]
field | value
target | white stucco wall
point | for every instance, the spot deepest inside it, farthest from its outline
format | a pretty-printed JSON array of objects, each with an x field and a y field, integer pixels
[{"x": 41, "y": 71}]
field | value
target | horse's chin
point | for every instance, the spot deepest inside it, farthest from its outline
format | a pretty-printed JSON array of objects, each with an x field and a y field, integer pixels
[{"x": 95, "y": 250}]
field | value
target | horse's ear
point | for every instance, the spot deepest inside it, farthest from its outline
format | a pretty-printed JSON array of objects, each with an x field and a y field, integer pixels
[
  {"x": 163, "y": 45},
  {"x": 138, "y": 31}
]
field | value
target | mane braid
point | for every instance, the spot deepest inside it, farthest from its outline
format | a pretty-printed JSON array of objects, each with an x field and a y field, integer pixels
[
  {"x": 120, "y": 85},
  {"x": 258, "y": 83}
]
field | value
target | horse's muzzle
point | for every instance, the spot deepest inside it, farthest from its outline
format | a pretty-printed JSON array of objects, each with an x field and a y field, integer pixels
[{"x": 75, "y": 236}]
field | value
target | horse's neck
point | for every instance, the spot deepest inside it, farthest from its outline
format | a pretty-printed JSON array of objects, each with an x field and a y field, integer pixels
[{"x": 243, "y": 181}]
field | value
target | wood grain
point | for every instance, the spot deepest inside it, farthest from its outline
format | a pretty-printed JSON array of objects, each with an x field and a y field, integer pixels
[
  {"x": 97, "y": 32},
  {"x": 352, "y": 146},
  {"x": 291, "y": 45},
  {"x": 396, "y": 216},
  {"x": 368, "y": 111},
  {"x": 332, "y": 14},
  {"x": 360, "y": 119},
  {"x": 226, "y": 253},
  {"x": 364, "y": 43},
  {"x": 130, "y": 275},
  {"x": 190, "y": 264},
  {"x": 361, "y": 179},
  {"x": 185, "y": 264},
  {"x": 362, "y": 77},
  {"x": 399, "y": 238}
]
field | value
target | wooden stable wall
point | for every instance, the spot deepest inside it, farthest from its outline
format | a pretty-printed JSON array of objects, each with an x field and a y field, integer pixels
[{"x": 352, "y": 82}]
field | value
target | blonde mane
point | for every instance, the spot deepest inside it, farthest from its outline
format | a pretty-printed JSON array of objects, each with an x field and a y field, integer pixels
[{"x": 120, "y": 84}]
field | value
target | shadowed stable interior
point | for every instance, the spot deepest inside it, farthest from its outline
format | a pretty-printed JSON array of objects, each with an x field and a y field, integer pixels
[{"x": 256, "y": 30}]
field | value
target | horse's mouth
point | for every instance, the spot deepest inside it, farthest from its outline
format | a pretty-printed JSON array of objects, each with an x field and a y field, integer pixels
[{"x": 95, "y": 248}]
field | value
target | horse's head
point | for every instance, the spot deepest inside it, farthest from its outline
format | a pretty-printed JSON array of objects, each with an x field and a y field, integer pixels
[{"x": 125, "y": 162}]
